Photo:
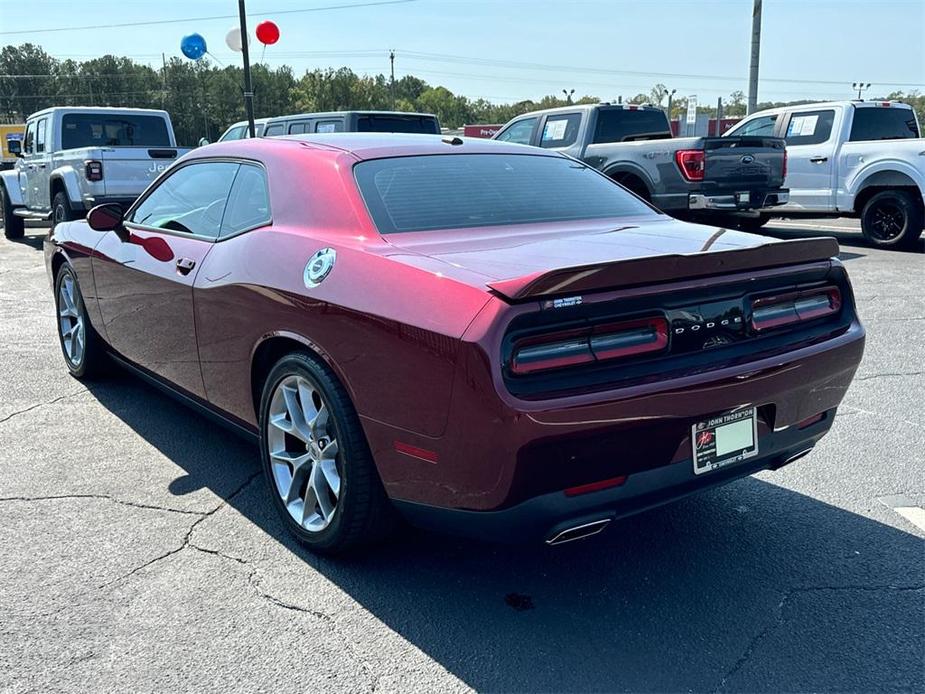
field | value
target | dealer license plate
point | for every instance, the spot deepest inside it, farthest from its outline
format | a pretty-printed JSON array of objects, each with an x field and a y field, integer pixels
[
  {"x": 743, "y": 198},
  {"x": 723, "y": 440}
]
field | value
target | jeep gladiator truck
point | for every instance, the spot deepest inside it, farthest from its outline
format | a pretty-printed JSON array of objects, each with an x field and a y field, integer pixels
[
  {"x": 71, "y": 159},
  {"x": 692, "y": 177},
  {"x": 863, "y": 159}
]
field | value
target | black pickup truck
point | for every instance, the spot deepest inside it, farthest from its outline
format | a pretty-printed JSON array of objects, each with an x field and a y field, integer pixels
[{"x": 691, "y": 177}]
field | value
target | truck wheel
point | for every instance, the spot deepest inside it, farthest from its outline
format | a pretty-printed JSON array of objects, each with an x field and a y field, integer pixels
[
  {"x": 13, "y": 226},
  {"x": 62, "y": 208},
  {"x": 892, "y": 219}
]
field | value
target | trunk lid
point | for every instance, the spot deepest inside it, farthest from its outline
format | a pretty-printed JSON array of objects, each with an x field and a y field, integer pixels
[
  {"x": 741, "y": 163},
  {"x": 548, "y": 260}
]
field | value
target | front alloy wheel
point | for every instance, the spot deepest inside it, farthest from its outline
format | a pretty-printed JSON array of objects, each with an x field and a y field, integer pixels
[
  {"x": 302, "y": 445},
  {"x": 83, "y": 351}
]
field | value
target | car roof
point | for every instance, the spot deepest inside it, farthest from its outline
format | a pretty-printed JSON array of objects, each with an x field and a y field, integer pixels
[
  {"x": 370, "y": 145},
  {"x": 831, "y": 104},
  {"x": 99, "y": 109},
  {"x": 338, "y": 114}
]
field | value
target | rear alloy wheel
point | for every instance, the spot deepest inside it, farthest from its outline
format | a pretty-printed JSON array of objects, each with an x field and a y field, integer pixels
[
  {"x": 80, "y": 345},
  {"x": 13, "y": 227},
  {"x": 61, "y": 208},
  {"x": 892, "y": 219},
  {"x": 321, "y": 474}
]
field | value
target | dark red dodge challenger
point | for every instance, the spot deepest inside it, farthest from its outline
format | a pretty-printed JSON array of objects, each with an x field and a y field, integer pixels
[{"x": 481, "y": 337}]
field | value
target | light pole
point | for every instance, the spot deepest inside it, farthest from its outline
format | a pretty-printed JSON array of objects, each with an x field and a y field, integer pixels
[
  {"x": 756, "y": 52},
  {"x": 568, "y": 95},
  {"x": 670, "y": 98},
  {"x": 248, "y": 88},
  {"x": 860, "y": 86}
]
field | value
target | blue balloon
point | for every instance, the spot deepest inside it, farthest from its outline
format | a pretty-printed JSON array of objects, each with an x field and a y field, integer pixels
[{"x": 193, "y": 46}]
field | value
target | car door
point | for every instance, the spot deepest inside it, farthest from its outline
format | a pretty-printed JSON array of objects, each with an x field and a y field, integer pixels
[
  {"x": 144, "y": 274},
  {"x": 38, "y": 177},
  {"x": 810, "y": 135},
  {"x": 25, "y": 166}
]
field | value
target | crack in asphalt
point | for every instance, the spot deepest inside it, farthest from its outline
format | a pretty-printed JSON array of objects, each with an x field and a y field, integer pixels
[
  {"x": 104, "y": 497},
  {"x": 889, "y": 375},
  {"x": 43, "y": 404},
  {"x": 779, "y": 618}
]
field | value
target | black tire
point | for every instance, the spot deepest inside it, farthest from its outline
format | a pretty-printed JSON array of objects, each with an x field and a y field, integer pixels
[
  {"x": 362, "y": 512},
  {"x": 13, "y": 227},
  {"x": 892, "y": 219},
  {"x": 93, "y": 360},
  {"x": 61, "y": 209}
]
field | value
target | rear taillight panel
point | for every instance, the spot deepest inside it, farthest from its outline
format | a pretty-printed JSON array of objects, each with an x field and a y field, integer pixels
[
  {"x": 770, "y": 312},
  {"x": 691, "y": 163},
  {"x": 93, "y": 170}
]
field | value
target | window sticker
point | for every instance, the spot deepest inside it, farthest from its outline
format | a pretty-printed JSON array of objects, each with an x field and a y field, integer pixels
[
  {"x": 802, "y": 126},
  {"x": 555, "y": 129}
]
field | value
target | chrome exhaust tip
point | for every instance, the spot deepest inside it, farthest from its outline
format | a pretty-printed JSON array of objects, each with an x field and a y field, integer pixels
[
  {"x": 797, "y": 456},
  {"x": 578, "y": 532}
]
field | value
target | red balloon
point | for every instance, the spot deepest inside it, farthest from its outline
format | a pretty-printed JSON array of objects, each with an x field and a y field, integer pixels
[{"x": 267, "y": 32}]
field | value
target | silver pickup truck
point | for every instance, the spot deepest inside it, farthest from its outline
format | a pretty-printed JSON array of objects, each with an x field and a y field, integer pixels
[
  {"x": 74, "y": 158},
  {"x": 729, "y": 179}
]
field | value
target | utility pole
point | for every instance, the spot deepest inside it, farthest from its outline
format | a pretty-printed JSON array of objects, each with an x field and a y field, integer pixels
[
  {"x": 164, "y": 81},
  {"x": 568, "y": 95},
  {"x": 392, "y": 81},
  {"x": 248, "y": 88},
  {"x": 860, "y": 86},
  {"x": 756, "y": 50},
  {"x": 719, "y": 117}
]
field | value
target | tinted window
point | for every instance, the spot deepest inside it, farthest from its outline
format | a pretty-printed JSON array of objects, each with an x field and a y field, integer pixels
[
  {"x": 397, "y": 124},
  {"x": 809, "y": 127},
  {"x": 329, "y": 126},
  {"x": 29, "y": 141},
  {"x": 560, "y": 131},
  {"x": 625, "y": 125},
  {"x": 763, "y": 126},
  {"x": 192, "y": 199},
  {"x": 519, "y": 133},
  {"x": 40, "y": 134},
  {"x": 473, "y": 190},
  {"x": 102, "y": 130},
  {"x": 298, "y": 128},
  {"x": 883, "y": 124},
  {"x": 275, "y": 129},
  {"x": 249, "y": 201},
  {"x": 235, "y": 133}
]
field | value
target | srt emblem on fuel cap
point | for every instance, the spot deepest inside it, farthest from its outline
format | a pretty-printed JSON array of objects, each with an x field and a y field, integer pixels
[{"x": 318, "y": 267}]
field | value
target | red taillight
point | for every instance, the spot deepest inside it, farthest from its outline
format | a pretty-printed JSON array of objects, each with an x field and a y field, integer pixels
[
  {"x": 691, "y": 163},
  {"x": 93, "y": 170},
  {"x": 777, "y": 311},
  {"x": 415, "y": 452},
  {"x": 596, "y": 486},
  {"x": 610, "y": 341}
]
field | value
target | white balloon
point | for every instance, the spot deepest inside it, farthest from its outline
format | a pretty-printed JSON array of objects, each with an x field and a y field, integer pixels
[{"x": 233, "y": 39}]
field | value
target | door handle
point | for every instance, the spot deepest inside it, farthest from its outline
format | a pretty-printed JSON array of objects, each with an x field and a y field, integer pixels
[
  {"x": 818, "y": 160},
  {"x": 41, "y": 166},
  {"x": 184, "y": 265}
]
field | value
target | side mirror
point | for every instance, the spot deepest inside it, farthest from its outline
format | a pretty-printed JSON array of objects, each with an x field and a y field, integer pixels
[
  {"x": 107, "y": 217},
  {"x": 15, "y": 147},
  {"x": 203, "y": 141}
]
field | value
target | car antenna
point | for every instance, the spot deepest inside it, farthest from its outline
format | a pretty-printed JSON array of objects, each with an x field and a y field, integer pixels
[{"x": 453, "y": 140}]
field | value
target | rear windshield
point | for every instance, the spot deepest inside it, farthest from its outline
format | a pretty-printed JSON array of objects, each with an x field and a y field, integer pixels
[
  {"x": 102, "y": 130},
  {"x": 456, "y": 191},
  {"x": 398, "y": 124},
  {"x": 883, "y": 124},
  {"x": 625, "y": 125}
]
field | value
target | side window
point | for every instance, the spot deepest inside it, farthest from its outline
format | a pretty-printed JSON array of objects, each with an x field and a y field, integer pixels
[
  {"x": 275, "y": 129},
  {"x": 234, "y": 134},
  {"x": 298, "y": 128},
  {"x": 329, "y": 126},
  {"x": 40, "y": 135},
  {"x": 809, "y": 127},
  {"x": 248, "y": 203},
  {"x": 560, "y": 131},
  {"x": 757, "y": 127},
  {"x": 520, "y": 132},
  {"x": 29, "y": 142},
  {"x": 192, "y": 199}
]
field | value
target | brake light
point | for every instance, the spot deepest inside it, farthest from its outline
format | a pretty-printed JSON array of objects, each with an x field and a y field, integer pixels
[
  {"x": 587, "y": 345},
  {"x": 777, "y": 311},
  {"x": 691, "y": 162},
  {"x": 93, "y": 170}
]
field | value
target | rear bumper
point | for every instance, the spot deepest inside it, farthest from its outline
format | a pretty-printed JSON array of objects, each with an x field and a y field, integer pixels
[
  {"x": 546, "y": 517},
  {"x": 731, "y": 202}
]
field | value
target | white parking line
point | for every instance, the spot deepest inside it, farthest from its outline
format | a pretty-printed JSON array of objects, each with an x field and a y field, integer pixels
[
  {"x": 913, "y": 514},
  {"x": 804, "y": 225}
]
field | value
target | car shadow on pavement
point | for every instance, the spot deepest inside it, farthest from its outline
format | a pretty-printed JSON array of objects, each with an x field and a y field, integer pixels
[
  {"x": 844, "y": 238},
  {"x": 750, "y": 587}
]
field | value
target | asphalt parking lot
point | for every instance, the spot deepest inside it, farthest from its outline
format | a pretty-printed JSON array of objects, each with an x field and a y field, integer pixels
[{"x": 139, "y": 551}]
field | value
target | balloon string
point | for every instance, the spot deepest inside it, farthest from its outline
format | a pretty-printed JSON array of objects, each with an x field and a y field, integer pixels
[
  {"x": 215, "y": 59},
  {"x": 263, "y": 52}
]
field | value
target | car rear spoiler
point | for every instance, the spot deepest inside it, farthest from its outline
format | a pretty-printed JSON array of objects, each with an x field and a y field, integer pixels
[{"x": 619, "y": 274}]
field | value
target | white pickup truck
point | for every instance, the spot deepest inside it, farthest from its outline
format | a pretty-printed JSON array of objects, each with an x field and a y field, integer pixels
[
  {"x": 862, "y": 159},
  {"x": 74, "y": 158}
]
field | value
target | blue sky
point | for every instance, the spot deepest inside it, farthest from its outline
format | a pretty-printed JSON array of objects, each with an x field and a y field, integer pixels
[{"x": 507, "y": 50}]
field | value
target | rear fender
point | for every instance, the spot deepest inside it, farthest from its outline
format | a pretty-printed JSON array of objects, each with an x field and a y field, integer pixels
[
  {"x": 66, "y": 176},
  {"x": 10, "y": 181}
]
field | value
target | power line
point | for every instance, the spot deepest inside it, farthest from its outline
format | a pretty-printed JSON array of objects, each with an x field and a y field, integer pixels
[{"x": 204, "y": 19}]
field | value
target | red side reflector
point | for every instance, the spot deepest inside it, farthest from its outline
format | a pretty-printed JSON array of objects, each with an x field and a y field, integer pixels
[
  {"x": 691, "y": 162},
  {"x": 415, "y": 452},
  {"x": 596, "y": 486}
]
